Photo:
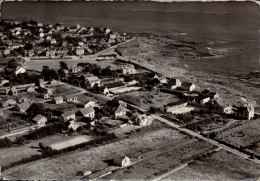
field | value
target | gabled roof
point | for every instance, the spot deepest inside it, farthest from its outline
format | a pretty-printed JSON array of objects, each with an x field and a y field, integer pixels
[
  {"x": 38, "y": 118},
  {"x": 186, "y": 84},
  {"x": 24, "y": 105},
  {"x": 68, "y": 113},
  {"x": 69, "y": 96},
  {"x": 58, "y": 98},
  {"x": 87, "y": 110}
]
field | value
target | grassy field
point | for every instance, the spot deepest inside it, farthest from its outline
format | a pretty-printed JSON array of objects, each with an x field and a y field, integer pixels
[
  {"x": 12, "y": 154},
  {"x": 246, "y": 134},
  {"x": 156, "y": 100},
  {"x": 66, "y": 166},
  {"x": 162, "y": 163},
  {"x": 221, "y": 165}
]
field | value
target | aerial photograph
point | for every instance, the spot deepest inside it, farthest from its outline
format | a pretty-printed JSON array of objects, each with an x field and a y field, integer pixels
[{"x": 130, "y": 90}]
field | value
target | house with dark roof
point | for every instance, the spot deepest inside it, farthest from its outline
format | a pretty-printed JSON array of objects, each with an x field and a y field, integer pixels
[
  {"x": 11, "y": 91},
  {"x": 188, "y": 86},
  {"x": 22, "y": 107},
  {"x": 68, "y": 116},
  {"x": 122, "y": 161},
  {"x": 114, "y": 108},
  {"x": 245, "y": 111},
  {"x": 88, "y": 112},
  {"x": 71, "y": 98},
  {"x": 174, "y": 83}
]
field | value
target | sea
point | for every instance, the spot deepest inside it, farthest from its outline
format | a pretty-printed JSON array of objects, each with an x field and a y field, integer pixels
[{"x": 236, "y": 22}]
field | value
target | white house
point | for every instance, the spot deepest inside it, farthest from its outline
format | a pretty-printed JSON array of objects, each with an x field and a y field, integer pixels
[
  {"x": 205, "y": 100},
  {"x": 20, "y": 70},
  {"x": 188, "y": 86},
  {"x": 71, "y": 98},
  {"x": 122, "y": 161},
  {"x": 128, "y": 69},
  {"x": 88, "y": 112},
  {"x": 174, "y": 83},
  {"x": 88, "y": 104},
  {"x": 68, "y": 116},
  {"x": 245, "y": 111},
  {"x": 39, "y": 119},
  {"x": 57, "y": 100},
  {"x": 91, "y": 81},
  {"x": 79, "y": 51}
]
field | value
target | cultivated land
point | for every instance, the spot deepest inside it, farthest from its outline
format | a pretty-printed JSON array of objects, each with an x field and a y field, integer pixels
[
  {"x": 66, "y": 166},
  {"x": 163, "y": 162},
  {"x": 220, "y": 165},
  {"x": 9, "y": 155},
  {"x": 156, "y": 100}
]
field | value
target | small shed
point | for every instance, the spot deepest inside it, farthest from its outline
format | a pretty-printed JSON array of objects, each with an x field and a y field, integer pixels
[{"x": 122, "y": 161}]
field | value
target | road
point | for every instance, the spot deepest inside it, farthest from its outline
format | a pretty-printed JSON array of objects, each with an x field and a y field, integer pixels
[
  {"x": 21, "y": 131},
  {"x": 211, "y": 141}
]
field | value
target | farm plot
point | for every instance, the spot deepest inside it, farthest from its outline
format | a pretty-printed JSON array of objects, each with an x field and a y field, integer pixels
[
  {"x": 66, "y": 166},
  {"x": 70, "y": 142},
  {"x": 162, "y": 163},
  {"x": 146, "y": 99},
  {"x": 13, "y": 154}
]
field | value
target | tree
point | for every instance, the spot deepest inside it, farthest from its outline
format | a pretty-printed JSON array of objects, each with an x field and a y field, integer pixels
[
  {"x": 13, "y": 64},
  {"x": 35, "y": 109},
  {"x": 61, "y": 73},
  {"x": 63, "y": 65}
]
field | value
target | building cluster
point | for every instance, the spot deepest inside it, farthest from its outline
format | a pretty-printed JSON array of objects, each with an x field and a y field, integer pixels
[
  {"x": 33, "y": 39},
  {"x": 243, "y": 111}
]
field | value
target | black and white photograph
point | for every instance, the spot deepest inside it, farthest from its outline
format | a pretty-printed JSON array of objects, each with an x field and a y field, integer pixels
[{"x": 130, "y": 90}]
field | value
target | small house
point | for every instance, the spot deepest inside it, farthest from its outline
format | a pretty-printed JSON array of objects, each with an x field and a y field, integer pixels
[
  {"x": 68, "y": 116},
  {"x": 114, "y": 108},
  {"x": 76, "y": 69},
  {"x": 22, "y": 107},
  {"x": 105, "y": 91},
  {"x": 174, "y": 83},
  {"x": 122, "y": 161},
  {"x": 30, "y": 89},
  {"x": 79, "y": 51},
  {"x": 75, "y": 125},
  {"x": 88, "y": 104},
  {"x": 40, "y": 120},
  {"x": 128, "y": 69},
  {"x": 19, "y": 70},
  {"x": 91, "y": 81},
  {"x": 140, "y": 119},
  {"x": 46, "y": 96},
  {"x": 246, "y": 111},
  {"x": 161, "y": 79},
  {"x": 188, "y": 86},
  {"x": 11, "y": 91},
  {"x": 87, "y": 112},
  {"x": 205, "y": 100},
  {"x": 70, "y": 98},
  {"x": 57, "y": 100},
  {"x": 5, "y": 102}
]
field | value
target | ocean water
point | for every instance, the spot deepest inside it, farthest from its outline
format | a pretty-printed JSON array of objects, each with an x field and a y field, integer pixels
[{"x": 237, "y": 22}]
